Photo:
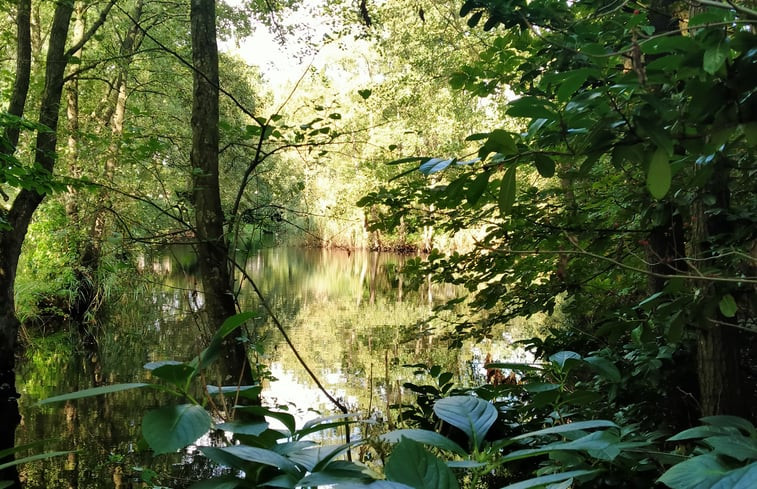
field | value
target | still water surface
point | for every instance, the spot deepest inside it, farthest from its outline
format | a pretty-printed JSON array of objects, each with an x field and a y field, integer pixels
[{"x": 353, "y": 317}]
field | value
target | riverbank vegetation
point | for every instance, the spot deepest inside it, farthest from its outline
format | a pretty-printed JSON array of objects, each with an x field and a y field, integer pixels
[{"x": 590, "y": 164}]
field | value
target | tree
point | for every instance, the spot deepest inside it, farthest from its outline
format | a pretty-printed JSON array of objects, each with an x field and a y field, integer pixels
[
  {"x": 34, "y": 182},
  {"x": 212, "y": 247},
  {"x": 646, "y": 116}
]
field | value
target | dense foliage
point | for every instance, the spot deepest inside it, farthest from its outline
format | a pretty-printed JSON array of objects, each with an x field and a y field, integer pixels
[{"x": 590, "y": 163}]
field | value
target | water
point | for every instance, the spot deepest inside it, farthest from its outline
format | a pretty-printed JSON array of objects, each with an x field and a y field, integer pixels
[{"x": 352, "y": 316}]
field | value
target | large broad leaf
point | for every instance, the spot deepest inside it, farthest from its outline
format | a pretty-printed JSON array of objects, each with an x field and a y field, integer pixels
[
  {"x": 743, "y": 478},
  {"x": 426, "y": 437},
  {"x": 413, "y": 465},
  {"x": 336, "y": 472},
  {"x": 286, "y": 419},
  {"x": 726, "y": 421},
  {"x": 507, "y": 192},
  {"x": 740, "y": 448},
  {"x": 94, "y": 391},
  {"x": 177, "y": 373},
  {"x": 701, "y": 472},
  {"x": 472, "y": 415},
  {"x": 568, "y": 427},
  {"x": 549, "y": 479},
  {"x": 174, "y": 427},
  {"x": 262, "y": 456},
  {"x": 243, "y": 428},
  {"x": 714, "y": 58},
  {"x": 659, "y": 174}
]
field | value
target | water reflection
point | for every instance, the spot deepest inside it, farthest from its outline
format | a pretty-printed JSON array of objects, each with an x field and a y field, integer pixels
[{"x": 353, "y": 316}]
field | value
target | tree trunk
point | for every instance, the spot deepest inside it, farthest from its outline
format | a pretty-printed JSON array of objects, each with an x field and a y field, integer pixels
[
  {"x": 718, "y": 346},
  {"x": 20, "y": 215},
  {"x": 212, "y": 248}
]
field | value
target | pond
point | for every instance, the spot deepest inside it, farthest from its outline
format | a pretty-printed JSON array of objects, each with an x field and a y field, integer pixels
[{"x": 354, "y": 318}]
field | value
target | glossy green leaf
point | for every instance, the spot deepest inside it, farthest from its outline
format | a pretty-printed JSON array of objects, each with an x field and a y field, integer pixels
[
  {"x": 605, "y": 367},
  {"x": 743, "y": 478},
  {"x": 414, "y": 466},
  {"x": 714, "y": 58},
  {"x": 286, "y": 419},
  {"x": 659, "y": 175},
  {"x": 261, "y": 456},
  {"x": 477, "y": 188},
  {"x": 549, "y": 479},
  {"x": 340, "y": 471},
  {"x": 737, "y": 447},
  {"x": 426, "y": 437},
  {"x": 472, "y": 415},
  {"x": 507, "y": 192},
  {"x": 568, "y": 427},
  {"x": 531, "y": 107},
  {"x": 243, "y": 428},
  {"x": 701, "y": 472},
  {"x": 561, "y": 357},
  {"x": 727, "y": 421},
  {"x": 728, "y": 306},
  {"x": 570, "y": 82},
  {"x": 544, "y": 165},
  {"x": 171, "y": 428},
  {"x": 94, "y": 391},
  {"x": 176, "y": 373},
  {"x": 435, "y": 165}
]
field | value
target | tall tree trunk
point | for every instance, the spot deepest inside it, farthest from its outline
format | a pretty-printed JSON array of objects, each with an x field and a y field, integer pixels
[
  {"x": 19, "y": 216},
  {"x": 212, "y": 245},
  {"x": 718, "y": 346}
]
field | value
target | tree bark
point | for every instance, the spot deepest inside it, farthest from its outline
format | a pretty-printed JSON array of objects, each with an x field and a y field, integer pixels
[
  {"x": 718, "y": 346},
  {"x": 212, "y": 248},
  {"x": 19, "y": 217}
]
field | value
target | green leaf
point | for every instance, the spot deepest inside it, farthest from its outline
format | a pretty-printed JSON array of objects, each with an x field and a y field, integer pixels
[
  {"x": 507, "y": 192},
  {"x": 743, "y": 478},
  {"x": 33, "y": 458},
  {"x": 714, "y": 58},
  {"x": 94, "y": 391},
  {"x": 548, "y": 479},
  {"x": 740, "y": 448},
  {"x": 413, "y": 465},
  {"x": 750, "y": 132},
  {"x": 243, "y": 428},
  {"x": 171, "y": 428},
  {"x": 336, "y": 473},
  {"x": 232, "y": 323},
  {"x": 563, "y": 356},
  {"x": 177, "y": 373},
  {"x": 285, "y": 418},
  {"x": 531, "y": 107},
  {"x": 426, "y": 437},
  {"x": 570, "y": 82},
  {"x": 605, "y": 367},
  {"x": 477, "y": 188},
  {"x": 659, "y": 174},
  {"x": 544, "y": 165},
  {"x": 261, "y": 456},
  {"x": 365, "y": 93},
  {"x": 727, "y": 306},
  {"x": 726, "y": 421},
  {"x": 701, "y": 472},
  {"x": 434, "y": 165},
  {"x": 472, "y": 415},
  {"x": 568, "y": 427}
]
